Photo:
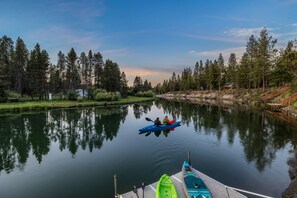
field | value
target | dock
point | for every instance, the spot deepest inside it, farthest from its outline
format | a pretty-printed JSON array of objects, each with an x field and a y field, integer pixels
[{"x": 217, "y": 189}]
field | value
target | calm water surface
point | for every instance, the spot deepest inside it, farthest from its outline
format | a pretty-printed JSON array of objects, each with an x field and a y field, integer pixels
[{"x": 76, "y": 152}]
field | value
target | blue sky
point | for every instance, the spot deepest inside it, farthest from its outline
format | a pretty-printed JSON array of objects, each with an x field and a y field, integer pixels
[{"x": 150, "y": 38}]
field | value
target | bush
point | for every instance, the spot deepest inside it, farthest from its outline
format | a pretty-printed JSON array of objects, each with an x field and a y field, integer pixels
[
  {"x": 96, "y": 91},
  {"x": 72, "y": 95},
  {"x": 149, "y": 93},
  {"x": 108, "y": 96},
  {"x": 116, "y": 96},
  {"x": 103, "y": 96},
  {"x": 12, "y": 94}
]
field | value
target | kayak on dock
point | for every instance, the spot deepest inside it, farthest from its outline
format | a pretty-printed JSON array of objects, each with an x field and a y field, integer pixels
[
  {"x": 193, "y": 184},
  {"x": 166, "y": 188},
  {"x": 152, "y": 128}
]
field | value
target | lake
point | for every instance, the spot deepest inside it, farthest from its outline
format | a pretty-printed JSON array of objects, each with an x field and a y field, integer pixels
[{"x": 76, "y": 152}]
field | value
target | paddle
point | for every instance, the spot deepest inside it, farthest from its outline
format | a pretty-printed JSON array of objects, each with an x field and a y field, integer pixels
[
  {"x": 135, "y": 191},
  {"x": 147, "y": 134},
  {"x": 148, "y": 119},
  {"x": 142, "y": 186}
]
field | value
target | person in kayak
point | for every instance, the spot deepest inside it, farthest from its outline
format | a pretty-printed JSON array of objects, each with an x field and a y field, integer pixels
[
  {"x": 166, "y": 120},
  {"x": 157, "y": 122}
]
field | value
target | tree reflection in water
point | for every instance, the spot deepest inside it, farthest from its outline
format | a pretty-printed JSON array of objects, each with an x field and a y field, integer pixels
[
  {"x": 261, "y": 134},
  {"x": 71, "y": 128}
]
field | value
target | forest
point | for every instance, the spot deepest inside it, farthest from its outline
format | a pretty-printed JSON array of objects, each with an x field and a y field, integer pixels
[
  {"x": 261, "y": 66},
  {"x": 24, "y": 72}
]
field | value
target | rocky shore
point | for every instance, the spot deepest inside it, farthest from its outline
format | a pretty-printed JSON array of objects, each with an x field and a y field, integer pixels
[{"x": 247, "y": 98}]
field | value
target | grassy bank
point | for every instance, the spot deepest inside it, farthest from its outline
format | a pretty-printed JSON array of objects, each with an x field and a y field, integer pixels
[{"x": 43, "y": 105}]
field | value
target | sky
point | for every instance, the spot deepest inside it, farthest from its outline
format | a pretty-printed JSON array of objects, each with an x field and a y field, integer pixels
[{"x": 148, "y": 38}]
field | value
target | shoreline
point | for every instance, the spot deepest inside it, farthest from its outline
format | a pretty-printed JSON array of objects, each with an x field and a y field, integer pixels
[
  {"x": 251, "y": 99},
  {"x": 29, "y": 106}
]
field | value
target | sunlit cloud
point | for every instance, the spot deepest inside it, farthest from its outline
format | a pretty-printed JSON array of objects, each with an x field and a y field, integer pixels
[{"x": 152, "y": 75}]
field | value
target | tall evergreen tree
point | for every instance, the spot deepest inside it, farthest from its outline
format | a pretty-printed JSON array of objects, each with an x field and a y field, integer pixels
[
  {"x": 72, "y": 72},
  {"x": 266, "y": 54},
  {"x": 37, "y": 72},
  {"x": 221, "y": 77},
  {"x": 6, "y": 62},
  {"x": 137, "y": 84},
  {"x": 232, "y": 75},
  {"x": 20, "y": 64},
  {"x": 216, "y": 72},
  {"x": 196, "y": 76},
  {"x": 124, "y": 85},
  {"x": 208, "y": 75},
  {"x": 61, "y": 67},
  {"x": 98, "y": 70},
  {"x": 244, "y": 72},
  {"x": 112, "y": 76},
  {"x": 252, "y": 51},
  {"x": 84, "y": 66}
]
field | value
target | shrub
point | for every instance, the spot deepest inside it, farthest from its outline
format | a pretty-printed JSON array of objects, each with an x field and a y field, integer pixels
[
  {"x": 108, "y": 96},
  {"x": 103, "y": 96},
  {"x": 96, "y": 91},
  {"x": 13, "y": 95},
  {"x": 149, "y": 93},
  {"x": 72, "y": 95},
  {"x": 116, "y": 96}
]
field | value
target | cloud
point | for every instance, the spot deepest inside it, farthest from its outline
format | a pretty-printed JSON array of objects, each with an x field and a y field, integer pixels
[
  {"x": 214, "y": 54},
  {"x": 115, "y": 52},
  {"x": 154, "y": 76},
  {"x": 58, "y": 38},
  {"x": 213, "y": 38},
  {"x": 245, "y": 32},
  {"x": 81, "y": 10}
]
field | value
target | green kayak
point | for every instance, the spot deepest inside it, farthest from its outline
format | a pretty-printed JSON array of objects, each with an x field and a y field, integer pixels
[{"x": 165, "y": 188}]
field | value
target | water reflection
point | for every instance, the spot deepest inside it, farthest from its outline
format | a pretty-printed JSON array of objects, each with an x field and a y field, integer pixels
[
  {"x": 71, "y": 129},
  {"x": 261, "y": 134}
]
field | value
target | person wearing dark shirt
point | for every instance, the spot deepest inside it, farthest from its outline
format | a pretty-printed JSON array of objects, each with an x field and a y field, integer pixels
[{"x": 157, "y": 122}]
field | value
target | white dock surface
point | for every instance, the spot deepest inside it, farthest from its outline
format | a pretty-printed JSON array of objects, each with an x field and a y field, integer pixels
[{"x": 217, "y": 189}]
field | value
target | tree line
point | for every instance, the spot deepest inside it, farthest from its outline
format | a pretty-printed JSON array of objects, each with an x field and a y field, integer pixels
[
  {"x": 31, "y": 73},
  {"x": 260, "y": 66}
]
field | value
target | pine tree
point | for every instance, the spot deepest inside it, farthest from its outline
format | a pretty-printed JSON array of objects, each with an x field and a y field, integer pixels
[
  {"x": 84, "y": 66},
  {"x": 244, "y": 72},
  {"x": 124, "y": 86},
  {"x": 232, "y": 70},
  {"x": 252, "y": 51},
  {"x": 6, "y": 62},
  {"x": 20, "y": 63},
  {"x": 137, "y": 84},
  {"x": 98, "y": 70},
  {"x": 112, "y": 76},
  {"x": 266, "y": 53},
  {"x": 208, "y": 75},
  {"x": 61, "y": 67},
  {"x": 36, "y": 72},
  {"x": 72, "y": 72},
  {"x": 221, "y": 77},
  {"x": 196, "y": 76}
]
